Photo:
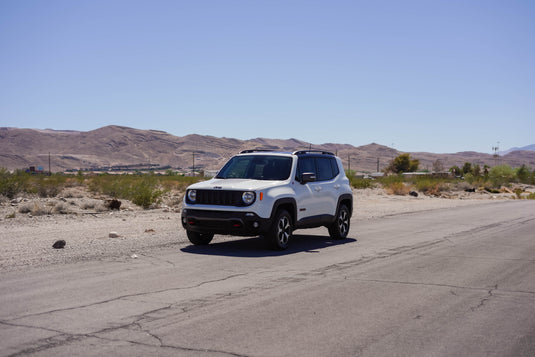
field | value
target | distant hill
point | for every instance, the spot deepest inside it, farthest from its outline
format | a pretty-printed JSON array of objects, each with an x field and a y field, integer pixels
[
  {"x": 118, "y": 146},
  {"x": 524, "y": 148}
]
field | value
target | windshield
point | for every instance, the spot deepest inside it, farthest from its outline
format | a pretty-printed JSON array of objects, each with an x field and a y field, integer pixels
[{"x": 257, "y": 167}]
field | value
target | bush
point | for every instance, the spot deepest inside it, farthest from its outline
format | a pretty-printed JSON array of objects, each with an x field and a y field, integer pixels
[
  {"x": 12, "y": 184},
  {"x": 145, "y": 193},
  {"x": 361, "y": 183},
  {"x": 523, "y": 174},
  {"x": 398, "y": 188},
  {"x": 501, "y": 175}
]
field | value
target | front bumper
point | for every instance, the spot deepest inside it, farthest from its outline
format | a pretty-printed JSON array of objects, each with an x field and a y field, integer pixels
[{"x": 224, "y": 222}]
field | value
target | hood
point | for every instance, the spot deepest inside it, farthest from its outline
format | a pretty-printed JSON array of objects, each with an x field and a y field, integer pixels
[{"x": 235, "y": 184}]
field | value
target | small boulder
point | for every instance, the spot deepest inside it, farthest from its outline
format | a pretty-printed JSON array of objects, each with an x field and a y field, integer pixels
[
  {"x": 113, "y": 204},
  {"x": 59, "y": 244},
  {"x": 113, "y": 235},
  {"x": 413, "y": 193}
]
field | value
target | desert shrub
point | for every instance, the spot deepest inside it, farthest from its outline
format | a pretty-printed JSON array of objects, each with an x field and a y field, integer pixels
[
  {"x": 361, "y": 183},
  {"x": 523, "y": 174},
  {"x": 145, "y": 193},
  {"x": 177, "y": 182},
  {"x": 11, "y": 215},
  {"x": 531, "y": 196},
  {"x": 25, "y": 208},
  {"x": 60, "y": 207},
  {"x": 394, "y": 185},
  {"x": 398, "y": 188},
  {"x": 12, "y": 184},
  {"x": 111, "y": 185},
  {"x": 142, "y": 189},
  {"x": 501, "y": 175},
  {"x": 36, "y": 209},
  {"x": 88, "y": 204},
  {"x": 387, "y": 180}
]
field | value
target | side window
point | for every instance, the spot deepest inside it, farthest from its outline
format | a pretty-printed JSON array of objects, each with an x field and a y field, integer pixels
[
  {"x": 334, "y": 165},
  {"x": 305, "y": 164},
  {"x": 324, "y": 169}
]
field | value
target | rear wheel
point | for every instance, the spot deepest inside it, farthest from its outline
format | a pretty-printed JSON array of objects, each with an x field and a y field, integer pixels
[
  {"x": 280, "y": 233},
  {"x": 340, "y": 228},
  {"x": 199, "y": 238}
]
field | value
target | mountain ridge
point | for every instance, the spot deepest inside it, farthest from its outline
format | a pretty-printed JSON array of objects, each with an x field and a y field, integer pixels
[{"x": 116, "y": 145}]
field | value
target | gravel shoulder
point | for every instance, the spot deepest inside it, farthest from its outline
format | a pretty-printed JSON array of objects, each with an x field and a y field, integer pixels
[{"x": 85, "y": 226}]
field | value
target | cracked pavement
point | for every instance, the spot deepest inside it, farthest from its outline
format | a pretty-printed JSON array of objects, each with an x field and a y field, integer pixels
[{"x": 443, "y": 282}]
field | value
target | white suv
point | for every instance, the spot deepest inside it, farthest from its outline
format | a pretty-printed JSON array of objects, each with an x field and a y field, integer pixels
[{"x": 267, "y": 193}]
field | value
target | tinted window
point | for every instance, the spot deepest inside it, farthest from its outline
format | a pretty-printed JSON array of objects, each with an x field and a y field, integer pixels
[
  {"x": 324, "y": 169},
  {"x": 305, "y": 165},
  {"x": 334, "y": 165}
]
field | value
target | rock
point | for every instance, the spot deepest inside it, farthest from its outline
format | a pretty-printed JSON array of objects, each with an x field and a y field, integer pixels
[
  {"x": 470, "y": 190},
  {"x": 413, "y": 193},
  {"x": 113, "y": 204},
  {"x": 59, "y": 244},
  {"x": 113, "y": 235}
]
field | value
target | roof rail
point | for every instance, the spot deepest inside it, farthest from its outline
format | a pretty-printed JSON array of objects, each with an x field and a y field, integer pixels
[
  {"x": 302, "y": 152},
  {"x": 255, "y": 150}
]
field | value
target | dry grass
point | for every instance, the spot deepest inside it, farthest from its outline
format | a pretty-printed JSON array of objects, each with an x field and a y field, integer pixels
[{"x": 398, "y": 188}]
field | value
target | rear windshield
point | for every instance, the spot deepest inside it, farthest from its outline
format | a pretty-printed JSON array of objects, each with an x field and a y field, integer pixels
[{"x": 257, "y": 167}]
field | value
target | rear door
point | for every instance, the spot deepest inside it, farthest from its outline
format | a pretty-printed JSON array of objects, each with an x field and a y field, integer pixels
[{"x": 326, "y": 192}]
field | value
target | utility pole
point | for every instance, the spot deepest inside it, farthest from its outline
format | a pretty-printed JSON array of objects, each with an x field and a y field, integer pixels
[
  {"x": 496, "y": 154},
  {"x": 377, "y": 165},
  {"x": 193, "y": 170},
  {"x": 49, "y": 169},
  {"x": 349, "y": 162}
]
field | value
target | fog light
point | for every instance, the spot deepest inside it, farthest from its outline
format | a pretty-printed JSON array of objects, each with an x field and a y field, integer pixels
[{"x": 255, "y": 224}]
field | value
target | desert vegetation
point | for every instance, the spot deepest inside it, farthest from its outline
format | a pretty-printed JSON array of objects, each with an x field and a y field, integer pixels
[
  {"x": 468, "y": 178},
  {"x": 144, "y": 190},
  {"x": 148, "y": 190}
]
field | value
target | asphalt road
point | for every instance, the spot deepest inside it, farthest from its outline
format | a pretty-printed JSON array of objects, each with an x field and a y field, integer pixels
[{"x": 457, "y": 282}]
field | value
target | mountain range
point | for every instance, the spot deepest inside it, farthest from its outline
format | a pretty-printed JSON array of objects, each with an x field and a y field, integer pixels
[{"x": 119, "y": 147}]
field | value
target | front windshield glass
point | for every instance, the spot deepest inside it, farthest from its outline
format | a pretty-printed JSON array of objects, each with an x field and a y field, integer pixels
[{"x": 257, "y": 167}]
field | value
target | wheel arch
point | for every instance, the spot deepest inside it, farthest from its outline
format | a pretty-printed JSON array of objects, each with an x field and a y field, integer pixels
[
  {"x": 287, "y": 204},
  {"x": 346, "y": 199}
]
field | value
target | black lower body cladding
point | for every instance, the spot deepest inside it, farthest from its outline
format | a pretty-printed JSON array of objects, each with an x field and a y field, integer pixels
[{"x": 224, "y": 222}]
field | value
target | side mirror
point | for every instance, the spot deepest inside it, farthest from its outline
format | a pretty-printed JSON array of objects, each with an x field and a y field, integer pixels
[{"x": 308, "y": 177}]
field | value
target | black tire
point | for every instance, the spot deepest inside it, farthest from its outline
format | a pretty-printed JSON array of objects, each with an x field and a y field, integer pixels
[
  {"x": 340, "y": 227},
  {"x": 280, "y": 232},
  {"x": 199, "y": 238}
]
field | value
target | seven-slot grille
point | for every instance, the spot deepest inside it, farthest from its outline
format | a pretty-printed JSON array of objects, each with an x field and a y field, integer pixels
[{"x": 220, "y": 198}]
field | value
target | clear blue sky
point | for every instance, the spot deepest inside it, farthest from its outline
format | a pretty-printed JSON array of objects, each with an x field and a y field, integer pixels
[{"x": 440, "y": 76}]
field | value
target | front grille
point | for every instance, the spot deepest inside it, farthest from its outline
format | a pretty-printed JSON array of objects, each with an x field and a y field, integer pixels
[{"x": 219, "y": 198}]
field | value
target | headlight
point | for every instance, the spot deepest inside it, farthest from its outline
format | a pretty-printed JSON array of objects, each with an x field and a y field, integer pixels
[
  {"x": 248, "y": 197},
  {"x": 192, "y": 195}
]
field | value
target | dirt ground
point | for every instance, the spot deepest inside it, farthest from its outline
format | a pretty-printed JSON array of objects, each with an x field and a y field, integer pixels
[{"x": 29, "y": 226}]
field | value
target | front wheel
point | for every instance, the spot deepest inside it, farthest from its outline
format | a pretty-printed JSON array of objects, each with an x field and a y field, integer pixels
[
  {"x": 280, "y": 233},
  {"x": 340, "y": 228},
  {"x": 199, "y": 238}
]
